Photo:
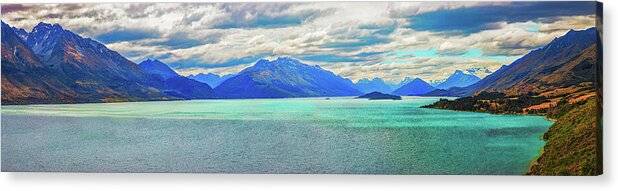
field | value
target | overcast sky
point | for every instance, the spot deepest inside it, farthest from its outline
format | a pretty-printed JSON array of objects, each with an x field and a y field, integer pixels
[{"x": 391, "y": 40}]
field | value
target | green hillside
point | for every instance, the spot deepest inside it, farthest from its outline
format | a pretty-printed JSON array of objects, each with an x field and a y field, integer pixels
[{"x": 573, "y": 144}]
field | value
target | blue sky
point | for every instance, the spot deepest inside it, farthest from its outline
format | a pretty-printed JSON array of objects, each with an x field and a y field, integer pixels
[{"x": 391, "y": 40}]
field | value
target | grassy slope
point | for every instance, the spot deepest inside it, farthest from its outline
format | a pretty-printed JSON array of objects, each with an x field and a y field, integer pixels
[{"x": 573, "y": 144}]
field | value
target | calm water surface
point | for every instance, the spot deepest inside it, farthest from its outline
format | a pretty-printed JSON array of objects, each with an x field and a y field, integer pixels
[{"x": 308, "y": 135}]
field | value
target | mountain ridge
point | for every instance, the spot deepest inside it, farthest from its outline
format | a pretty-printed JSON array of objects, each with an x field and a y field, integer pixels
[
  {"x": 458, "y": 79},
  {"x": 166, "y": 79},
  {"x": 533, "y": 65},
  {"x": 80, "y": 69},
  {"x": 375, "y": 84},
  {"x": 211, "y": 79},
  {"x": 415, "y": 87},
  {"x": 158, "y": 68},
  {"x": 25, "y": 79},
  {"x": 284, "y": 77}
]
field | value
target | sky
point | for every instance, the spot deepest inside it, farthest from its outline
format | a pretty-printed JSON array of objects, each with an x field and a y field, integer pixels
[{"x": 390, "y": 40}]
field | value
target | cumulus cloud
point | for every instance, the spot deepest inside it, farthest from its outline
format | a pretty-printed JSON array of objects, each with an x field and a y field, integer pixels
[
  {"x": 472, "y": 19},
  {"x": 391, "y": 40}
]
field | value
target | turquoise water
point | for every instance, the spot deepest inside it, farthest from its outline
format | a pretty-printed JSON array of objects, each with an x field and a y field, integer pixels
[{"x": 308, "y": 135}]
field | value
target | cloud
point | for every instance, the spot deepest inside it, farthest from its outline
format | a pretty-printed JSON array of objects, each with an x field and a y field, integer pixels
[
  {"x": 181, "y": 40},
  {"x": 125, "y": 35},
  {"x": 330, "y": 58},
  {"x": 474, "y": 19},
  {"x": 391, "y": 40},
  {"x": 8, "y": 8},
  {"x": 220, "y": 71},
  {"x": 263, "y": 15},
  {"x": 198, "y": 63},
  {"x": 356, "y": 43}
]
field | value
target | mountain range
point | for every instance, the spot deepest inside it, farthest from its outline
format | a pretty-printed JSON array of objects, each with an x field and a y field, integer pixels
[
  {"x": 376, "y": 84},
  {"x": 167, "y": 80},
  {"x": 54, "y": 65},
  {"x": 565, "y": 61},
  {"x": 211, "y": 79},
  {"x": 458, "y": 79},
  {"x": 285, "y": 77}
]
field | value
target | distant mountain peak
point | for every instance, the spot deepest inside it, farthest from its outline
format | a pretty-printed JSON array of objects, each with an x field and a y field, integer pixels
[
  {"x": 46, "y": 30},
  {"x": 152, "y": 60},
  {"x": 581, "y": 39},
  {"x": 210, "y": 78},
  {"x": 459, "y": 78},
  {"x": 284, "y": 60},
  {"x": 156, "y": 67},
  {"x": 415, "y": 87},
  {"x": 478, "y": 71},
  {"x": 285, "y": 77},
  {"x": 44, "y": 37},
  {"x": 375, "y": 79},
  {"x": 367, "y": 85},
  {"x": 43, "y": 25},
  {"x": 530, "y": 72},
  {"x": 418, "y": 79}
]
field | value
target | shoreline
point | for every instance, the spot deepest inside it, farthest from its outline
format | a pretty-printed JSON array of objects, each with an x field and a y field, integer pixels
[
  {"x": 541, "y": 150},
  {"x": 569, "y": 143}
]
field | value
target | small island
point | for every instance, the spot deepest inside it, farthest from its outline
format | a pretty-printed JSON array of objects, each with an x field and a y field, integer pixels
[{"x": 379, "y": 96}]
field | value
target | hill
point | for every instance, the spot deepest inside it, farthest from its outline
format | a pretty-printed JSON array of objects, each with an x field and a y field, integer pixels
[{"x": 379, "y": 96}]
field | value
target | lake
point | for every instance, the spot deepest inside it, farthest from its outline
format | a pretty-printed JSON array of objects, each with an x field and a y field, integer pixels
[{"x": 300, "y": 135}]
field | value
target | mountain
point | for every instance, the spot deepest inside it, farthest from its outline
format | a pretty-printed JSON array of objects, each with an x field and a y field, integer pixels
[
  {"x": 25, "y": 79},
  {"x": 435, "y": 83},
  {"x": 54, "y": 65},
  {"x": 89, "y": 67},
  {"x": 565, "y": 61},
  {"x": 405, "y": 81},
  {"x": 414, "y": 87},
  {"x": 458, "y": 79},
  {"x": 158, "y": 68},
  {"x": 171, "y": 83},
  {"x": 376, "y": 84},
  {"x": 21, "y": 33},
  {"x": 211, "y": 79},
  {"x": 284, "y": 77}
]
